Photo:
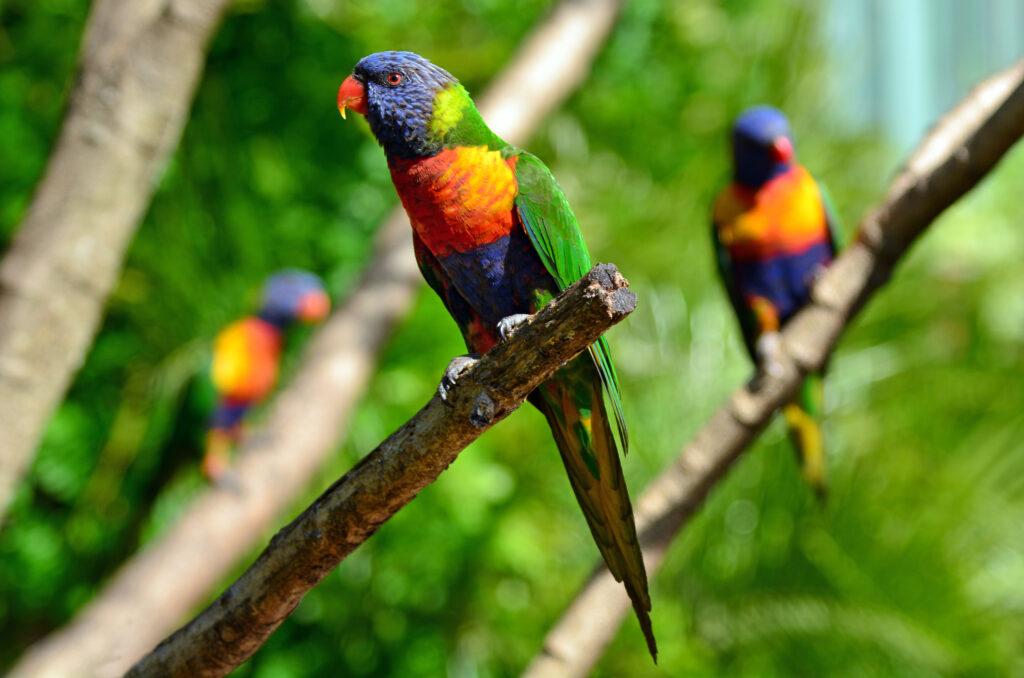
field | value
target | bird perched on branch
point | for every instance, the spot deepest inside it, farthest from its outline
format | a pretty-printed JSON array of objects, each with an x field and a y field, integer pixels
[
  {"x": 773, "y": 232},
  {"x": 496, "y": 239},
  {"x": 247, "y": 357}
]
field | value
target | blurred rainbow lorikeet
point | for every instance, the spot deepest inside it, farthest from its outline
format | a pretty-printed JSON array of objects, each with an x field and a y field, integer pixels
[
  {"x": 495, "y": 238},
  {"x": 773, "y": 233},
  {"x": 247, "y": 357}
]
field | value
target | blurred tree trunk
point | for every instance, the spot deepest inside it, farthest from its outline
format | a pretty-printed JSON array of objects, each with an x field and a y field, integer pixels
[
  {"x": 155, "y": 589},
  {"x": 139, "y": 65},
  {"x": 962, "y": 148}
]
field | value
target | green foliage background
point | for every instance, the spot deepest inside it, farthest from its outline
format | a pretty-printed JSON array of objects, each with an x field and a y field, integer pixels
[{"x": 914, "y": 568}]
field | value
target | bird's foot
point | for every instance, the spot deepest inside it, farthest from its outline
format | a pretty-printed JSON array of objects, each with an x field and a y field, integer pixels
[
  {"x": 508, "y": 325},
  {"x": 216, "y": 462},
  {"x": 455, "y": 369},
  {"x": 768, "y": 350},
  {"x": 772, "y": 368},
  {"x": 769, "y": 354}
]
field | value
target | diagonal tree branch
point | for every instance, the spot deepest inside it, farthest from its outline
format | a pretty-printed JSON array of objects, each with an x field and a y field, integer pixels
[
  {"x": 350, "y": 511},
  {"x": 962, "y": 148},
  {"x": 307, "y": 418},
  {"x": 139, "y": 66}
]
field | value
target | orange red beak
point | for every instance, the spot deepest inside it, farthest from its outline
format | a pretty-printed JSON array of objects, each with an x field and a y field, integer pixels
[
  {"x": 352, "y": 94},
  {"x": 782, "y": 149},
  {"x": 314, "y": 307}
]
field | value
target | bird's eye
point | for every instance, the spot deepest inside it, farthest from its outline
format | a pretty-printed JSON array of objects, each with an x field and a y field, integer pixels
[{"x": 394, "y": 78}]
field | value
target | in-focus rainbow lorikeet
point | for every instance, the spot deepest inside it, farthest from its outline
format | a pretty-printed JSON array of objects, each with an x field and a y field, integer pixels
[
  {"x": 773, "y": 232},
  {"x": 495, "y": 238},
  {"x": 247, "y": 357}
]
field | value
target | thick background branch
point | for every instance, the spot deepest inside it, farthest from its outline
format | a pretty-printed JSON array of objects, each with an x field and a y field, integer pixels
[
  {"x": 307, "y": 418},
  {"x": 140, "y": 63},
  {"x": 962, "y": 148},
  {"x": 350, "y": 511}
]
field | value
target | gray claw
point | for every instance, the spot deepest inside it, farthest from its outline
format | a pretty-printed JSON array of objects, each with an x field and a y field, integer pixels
[
  {"x": 508, "y": 325},
  {"x": 769, "y": 355},
  {"x": 768, "y": 368},
  {"x": 773, "y": 368},
  {"x": 456, "y": 367}
]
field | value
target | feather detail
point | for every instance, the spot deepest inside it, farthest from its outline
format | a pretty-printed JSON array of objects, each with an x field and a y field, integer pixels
[
  {"x": 785, "y": 216},
  {"x": 770, "y": 244},
  {"x": 551, "y": 224},
  {"x": 573, "y": 405},
  {"x": 459, "y": 199}
]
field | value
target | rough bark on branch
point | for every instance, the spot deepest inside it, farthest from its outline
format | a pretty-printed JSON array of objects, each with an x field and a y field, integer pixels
[
  {"x": 139, "y": 65},
  {"x": 306, "y": 418},
  {"x": 959, "y": 151},
  {"x": 350, "y": 511}
]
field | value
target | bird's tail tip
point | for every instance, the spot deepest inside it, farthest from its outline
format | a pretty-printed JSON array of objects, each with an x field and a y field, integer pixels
[
  {"x": 820, "y": 490},
  {"x": 805, "y": 431},
  {"x": 643, "y": 616},
  {"x": 652, "y": 647}
]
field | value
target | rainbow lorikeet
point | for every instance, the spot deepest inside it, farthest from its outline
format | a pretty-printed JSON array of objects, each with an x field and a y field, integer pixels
[
  {"x": 773, "y": 233},
  {"x": 247, "y": 357},
  {"x": 495, "y": 238}
]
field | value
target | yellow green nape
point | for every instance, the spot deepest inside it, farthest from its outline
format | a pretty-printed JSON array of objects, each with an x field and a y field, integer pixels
[{"x": 449, "y": 107}]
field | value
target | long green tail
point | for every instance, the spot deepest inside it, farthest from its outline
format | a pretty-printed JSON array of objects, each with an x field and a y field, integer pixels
[
  {"x": 803, "y": 418},
  {"x": 573, "y": 404}
]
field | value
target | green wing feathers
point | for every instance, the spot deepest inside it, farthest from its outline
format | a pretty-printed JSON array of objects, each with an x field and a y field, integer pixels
[
  {"x": 572, "y": 403},
  {"x": 551, "y": 225},
  {"x": 550, "y": 222},
  {"x": 602, "y": 357},
  {"x": 573, "y": 399}
]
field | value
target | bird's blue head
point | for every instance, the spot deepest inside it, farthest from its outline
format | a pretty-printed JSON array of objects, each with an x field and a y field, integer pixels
[
  {"x": 292, "y": 295},
  {"x": 762, "y": 146},
  {"x": 398, "y": 92}
]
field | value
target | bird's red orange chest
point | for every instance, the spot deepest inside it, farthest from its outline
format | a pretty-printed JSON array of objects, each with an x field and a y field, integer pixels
[
  {"x": 459, "y": 199},
  {"x": 785, "y": 216},
  {"x": 246, "y": 356}
]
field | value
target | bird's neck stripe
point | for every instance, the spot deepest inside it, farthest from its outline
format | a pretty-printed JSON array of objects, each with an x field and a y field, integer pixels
[
  {"x": 273, "y": 322},
  {"x": 449, "y": 108}
]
